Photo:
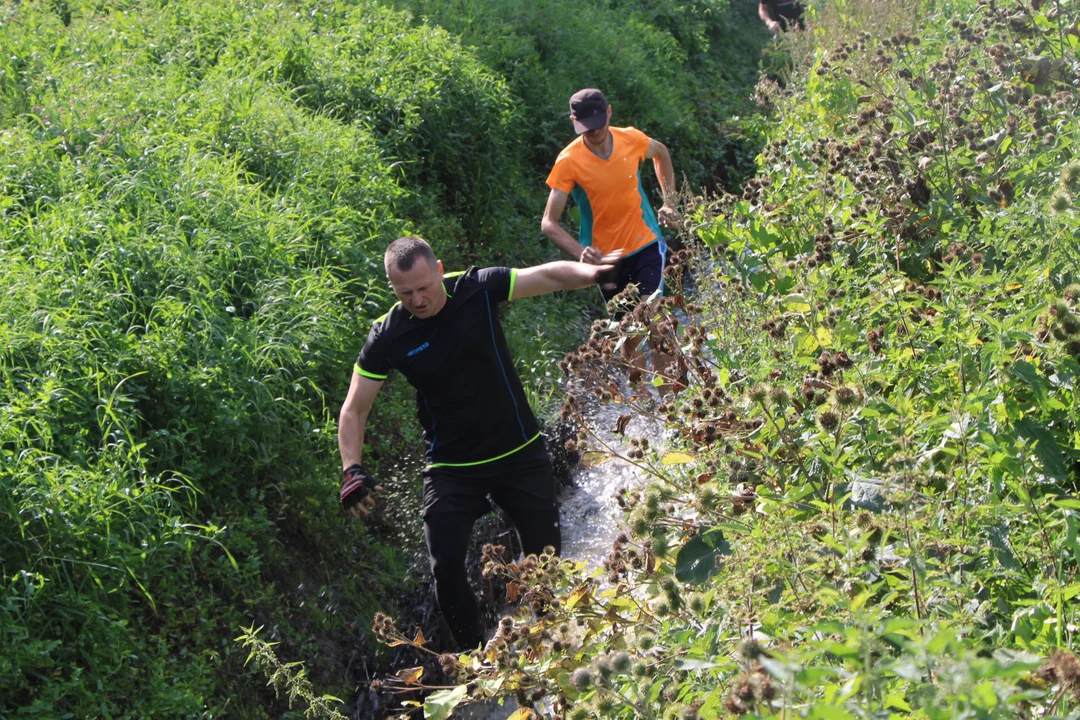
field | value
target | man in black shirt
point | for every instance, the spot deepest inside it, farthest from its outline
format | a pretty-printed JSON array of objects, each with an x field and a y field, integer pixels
[{"x": 479, "y": 431}]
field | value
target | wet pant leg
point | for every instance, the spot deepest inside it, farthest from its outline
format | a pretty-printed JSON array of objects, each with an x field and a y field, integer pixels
[
  {"x": 526, "y": 493},
  {"x": 447, "y": 535},
  {"x": 523, "y": 485},
  {"x": 537, "y": 527}
]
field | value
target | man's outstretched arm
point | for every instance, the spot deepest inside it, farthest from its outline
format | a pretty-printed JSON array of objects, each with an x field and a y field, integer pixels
[
  {"x": 352, "y": 421},
  {"x": 560, "y": 275}
]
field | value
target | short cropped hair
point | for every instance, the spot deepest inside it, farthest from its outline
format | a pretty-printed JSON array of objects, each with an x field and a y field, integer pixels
[{"x": 403, "y": 253}]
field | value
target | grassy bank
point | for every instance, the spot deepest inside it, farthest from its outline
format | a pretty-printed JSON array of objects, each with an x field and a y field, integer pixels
[
  {"x": 677, "y": 70},
  {"x": 194, "y": 201}
]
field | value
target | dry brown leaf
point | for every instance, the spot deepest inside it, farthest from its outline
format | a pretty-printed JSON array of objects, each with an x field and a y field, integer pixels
[
  {"x": 592, "y": 459},
  {"x": 513, "y": 590},
  {"x": 410, "y": 676}
]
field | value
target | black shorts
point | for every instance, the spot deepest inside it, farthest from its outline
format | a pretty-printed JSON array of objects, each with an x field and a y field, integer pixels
[
  {"x": 644, "y": 267},
  {"x": 519, "y": 482},
  {"x": 789, "y": 14}
]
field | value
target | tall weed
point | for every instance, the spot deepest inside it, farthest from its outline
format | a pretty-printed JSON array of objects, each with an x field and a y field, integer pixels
[{"x": 674, "y": 70}]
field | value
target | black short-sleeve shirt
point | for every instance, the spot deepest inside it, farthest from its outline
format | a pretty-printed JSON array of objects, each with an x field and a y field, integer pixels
[
  {"x": 468, "y": 395},
  {"x": 781, "y": 9}
]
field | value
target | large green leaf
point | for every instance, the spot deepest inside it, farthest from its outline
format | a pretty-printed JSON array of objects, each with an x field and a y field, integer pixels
[
  {"x": 439, "y": 705},
  {"x": 698, "y": 560},
  {"x": 1029, "y": 375},
  {"x": 1047, "y": 449}
]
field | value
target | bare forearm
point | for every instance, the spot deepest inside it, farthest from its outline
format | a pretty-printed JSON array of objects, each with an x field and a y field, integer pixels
[
  {"x": 763, "y": 13},
  {"x": 562, "y": 239},
  {"x": 566, "y": 275},
  {"x": 665, "y": 173},
  {"x": 351, "y": 437}
]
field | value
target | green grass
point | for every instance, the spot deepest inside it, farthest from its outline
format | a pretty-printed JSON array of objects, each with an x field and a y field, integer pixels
[
  {"x": 194, "y": 199},
  {"x": 678, "y": 71},
  {"x": 191, "y": 259}
]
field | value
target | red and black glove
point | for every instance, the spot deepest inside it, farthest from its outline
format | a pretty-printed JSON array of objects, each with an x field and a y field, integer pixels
[{"x": 355, "y": 486}]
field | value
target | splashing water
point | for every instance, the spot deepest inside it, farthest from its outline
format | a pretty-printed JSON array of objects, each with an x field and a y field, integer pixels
[{"x": 590, "y": 516}]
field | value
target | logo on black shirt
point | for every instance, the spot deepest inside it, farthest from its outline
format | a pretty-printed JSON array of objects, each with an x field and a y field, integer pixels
[{"x": 418, "y": 349}]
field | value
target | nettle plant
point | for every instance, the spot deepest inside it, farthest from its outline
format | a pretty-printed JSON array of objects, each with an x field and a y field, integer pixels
[{"x": 869, "y": 509}]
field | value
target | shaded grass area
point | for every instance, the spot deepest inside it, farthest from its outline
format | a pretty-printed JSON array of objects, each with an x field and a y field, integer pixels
[{"x": 679, "y": 71}]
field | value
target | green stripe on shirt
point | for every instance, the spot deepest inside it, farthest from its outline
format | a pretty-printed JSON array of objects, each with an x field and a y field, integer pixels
[
  {"x": 361, "y": 371},
  {"x": 489, "y": 460},
  {"x": 385, "y": 314}
]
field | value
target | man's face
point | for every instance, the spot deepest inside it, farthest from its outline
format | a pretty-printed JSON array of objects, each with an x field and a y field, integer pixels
[
  {"x": 599, "y": 135},
  {"x": 419, "y": 288}
]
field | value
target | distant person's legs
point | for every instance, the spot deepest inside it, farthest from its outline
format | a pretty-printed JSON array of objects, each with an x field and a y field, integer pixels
[
  {"x": 790, "y": 16},
  {"x": 645, "y": 269}
]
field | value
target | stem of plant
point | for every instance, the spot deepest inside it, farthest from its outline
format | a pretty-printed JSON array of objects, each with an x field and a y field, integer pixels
[{"x": 788, "y": 441}]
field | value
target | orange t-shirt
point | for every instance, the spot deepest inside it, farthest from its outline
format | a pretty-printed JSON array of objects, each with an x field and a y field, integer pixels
[{"x": 615, "y": 214}]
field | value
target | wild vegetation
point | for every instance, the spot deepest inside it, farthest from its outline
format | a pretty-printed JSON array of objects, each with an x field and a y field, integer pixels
[
  {"x": 194, "y": 201},
  {"x": 678, "y": 70},
  {"x": 871, "y": 510}
]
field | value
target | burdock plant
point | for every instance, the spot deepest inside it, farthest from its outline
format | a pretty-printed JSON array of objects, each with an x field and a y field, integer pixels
[
  {"x": 1060, "y": 202},
  {"x": 1070, "y": 178},
  {"x": 582, "y": 679},
  {"x": 779, "y": 396},
  {"x": 828, "y": 420},
  {"x": 847, "y": 396}
]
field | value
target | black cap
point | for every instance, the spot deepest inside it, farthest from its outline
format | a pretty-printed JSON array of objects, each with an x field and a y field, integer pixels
[{"x": 588, "y": 110}]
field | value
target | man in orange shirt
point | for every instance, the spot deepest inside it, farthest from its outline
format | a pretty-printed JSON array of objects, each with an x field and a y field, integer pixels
[{"x": 601, "y": 170}]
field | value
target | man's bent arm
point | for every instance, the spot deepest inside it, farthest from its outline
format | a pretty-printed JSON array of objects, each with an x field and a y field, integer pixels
[
  {"x": 766, "y": 17},
  {"x": 352, "y": 419},
  {"x": 665, "y": 170},
  {"x": 559, "y": 275},
  {"x": 554, "y": 231}
]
